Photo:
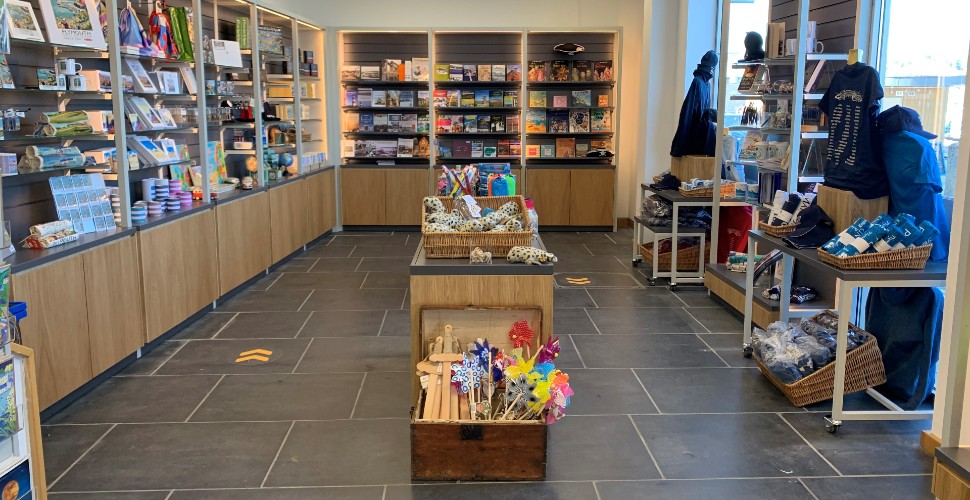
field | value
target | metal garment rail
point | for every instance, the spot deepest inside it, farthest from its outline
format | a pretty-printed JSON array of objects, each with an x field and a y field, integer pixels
[{"x": 849, "y": 281}]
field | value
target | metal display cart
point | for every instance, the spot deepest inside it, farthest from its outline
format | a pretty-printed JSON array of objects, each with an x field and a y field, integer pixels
[{"x": 934, "y": 275}]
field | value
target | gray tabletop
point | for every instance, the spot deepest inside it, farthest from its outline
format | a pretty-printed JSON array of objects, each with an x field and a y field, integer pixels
[{"x": 423, "y": 266}]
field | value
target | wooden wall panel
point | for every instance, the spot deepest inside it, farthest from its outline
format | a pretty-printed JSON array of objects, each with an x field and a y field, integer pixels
[
  {"x": 330, "y": 199},
  {"x": 288, "y": 218},
  {"x": 590, "y": 197},
  {"x": 316, "y": 205},
  {"x": 57, "y": 327},
  {"x": 835, "y": 18},
  {"x": 362, "y": 198},
  {"x": 116, "y": 308},
  {"x": 549, "y": 189},
  {"x": 404, "y": 190},
  {"x": 241, "y": 225},
  {"x": 947, "y": 485}
]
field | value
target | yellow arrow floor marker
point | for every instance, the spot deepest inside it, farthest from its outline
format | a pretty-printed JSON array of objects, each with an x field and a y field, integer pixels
[
  {"x": 578, "y": 281},
  {"x": 254, "y": 355}
]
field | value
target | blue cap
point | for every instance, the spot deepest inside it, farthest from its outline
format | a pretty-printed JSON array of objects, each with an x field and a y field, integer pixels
[{"x": 899, "y": 119}]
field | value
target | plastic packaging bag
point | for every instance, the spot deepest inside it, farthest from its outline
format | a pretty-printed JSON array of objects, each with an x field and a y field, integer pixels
[
  {"x": 654, "y": 206},
  {"x": 819, "y": 354}
]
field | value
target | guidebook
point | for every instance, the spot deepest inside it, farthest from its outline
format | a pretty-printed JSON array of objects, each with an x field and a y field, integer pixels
[{"x": 73, "y": 22}]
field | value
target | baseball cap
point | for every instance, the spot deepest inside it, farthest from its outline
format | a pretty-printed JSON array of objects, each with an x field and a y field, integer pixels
[
  {"x": 899, "y": 119},
  {"x": 813, "y": 230}
]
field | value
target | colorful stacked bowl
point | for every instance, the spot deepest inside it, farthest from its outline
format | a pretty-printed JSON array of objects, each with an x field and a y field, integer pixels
[
  {"x": 155, "y": 208},
  {"x": 148, "y": 189},
  {"x": 139, "y": 212},
  {"x": 173, "y": 204},
  {"x": 116, "y": 206},
  {"x": 185, "y": 198},
  {"x": 174, "y": 187}
]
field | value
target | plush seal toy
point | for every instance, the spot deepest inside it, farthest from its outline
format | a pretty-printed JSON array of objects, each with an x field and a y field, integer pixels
[{"x": 530, "y": 255}]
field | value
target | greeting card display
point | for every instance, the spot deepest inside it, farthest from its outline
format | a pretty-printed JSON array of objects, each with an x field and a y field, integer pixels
[
  {"x": 82, "y": 199},
  {"x": 73, "y": 22}
]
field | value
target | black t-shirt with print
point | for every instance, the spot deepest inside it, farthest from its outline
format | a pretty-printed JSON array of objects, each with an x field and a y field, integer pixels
[{"x": 851, "y": 104}]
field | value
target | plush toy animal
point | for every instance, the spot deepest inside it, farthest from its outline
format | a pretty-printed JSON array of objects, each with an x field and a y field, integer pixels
[
  {"x": 474, "y": 226},
  {"x": 434, "y": 205},
  {"x": 530, "y": 255},
  {"x": 434, "y": 227},
  {"x": 510, "y": 209}
]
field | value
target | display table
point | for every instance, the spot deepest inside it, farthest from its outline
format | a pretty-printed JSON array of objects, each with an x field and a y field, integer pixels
[{"x": 848, "y": 281}]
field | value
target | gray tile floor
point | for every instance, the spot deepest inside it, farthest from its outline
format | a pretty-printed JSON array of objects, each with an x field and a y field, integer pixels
[{"x": 665, "y": 406}]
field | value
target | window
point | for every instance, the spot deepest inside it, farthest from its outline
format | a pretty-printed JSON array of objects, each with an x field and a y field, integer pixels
[
  {"x": 925, "y": 69},
  {"x": 747, "y": 15}
]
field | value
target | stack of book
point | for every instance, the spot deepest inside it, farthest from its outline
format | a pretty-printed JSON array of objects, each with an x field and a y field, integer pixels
[
  {"x": 477, "y": 72},
  {"x": 454, "y": 98},
  {"x": 389, "y": 70},
  {"x": 571, "y": 71},
  {"x": 476, "y": 124}
]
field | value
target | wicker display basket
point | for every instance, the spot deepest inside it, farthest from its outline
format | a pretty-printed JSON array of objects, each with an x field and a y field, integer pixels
[
  {"x": 863, "y": 369},
  {"x": 727, "y": 191},
  {"x": 687, "y": 258},
  {"x": 907, "y": 258},
  {"x": 776, "y": 231},
  {"x": 459, "y": 244}
]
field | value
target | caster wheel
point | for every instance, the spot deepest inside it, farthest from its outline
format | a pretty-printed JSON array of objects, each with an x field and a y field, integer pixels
[
  {"x": 636, "y": 263},
  {"x": 673, "y": 288},
  {"x": 747, "y": 351},
  {"x": 832, "y": 428},
  {"x": 652, "y": 281}
]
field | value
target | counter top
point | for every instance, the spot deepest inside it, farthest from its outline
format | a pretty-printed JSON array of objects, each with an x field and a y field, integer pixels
[
  {"x": 197, "y": 206},
  {"x": 25, "y": 258},
  {"x": 955, "y": 459},
  {"x": 423, "y": 266}
]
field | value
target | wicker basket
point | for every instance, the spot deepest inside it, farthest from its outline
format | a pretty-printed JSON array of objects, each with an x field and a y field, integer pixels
[
  {"x": 459, "y": 244},
  {"x": 727, "y": 191},
  {"x": 863, "y": 369},
  {"x": 686, "y": 258},
  {"x": 776, "y": 231},
  {"x": 907, "y": 258}
]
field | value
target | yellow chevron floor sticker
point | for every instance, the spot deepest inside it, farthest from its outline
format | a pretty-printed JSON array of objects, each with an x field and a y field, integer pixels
[
  {"x": 578, "y": 281},
  {"x": 254, "y": 355}
]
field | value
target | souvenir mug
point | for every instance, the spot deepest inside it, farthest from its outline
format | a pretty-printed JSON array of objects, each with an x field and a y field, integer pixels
[
  {"x": 791, "y": 46},
  {"x": 67, "y": 66},
  {"x": 813, "y": 46},
  {"x": 77, "y": 82}
]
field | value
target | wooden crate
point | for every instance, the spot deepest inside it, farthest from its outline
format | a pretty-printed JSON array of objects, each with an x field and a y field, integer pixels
[
  {"x": 844, "y": 207},
  {"x": 690, "y": 167},
  {"x": 477, "y": 450}
]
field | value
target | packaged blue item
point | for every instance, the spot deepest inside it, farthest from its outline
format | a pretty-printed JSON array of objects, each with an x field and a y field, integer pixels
[
  {"x": 845, "y": 237},
  {"x": 883, "y": 220},
  {"x": 894, "y": 236},
  {"x": 487, "y": 169},
  {"x": 910, "y": 233},
  {"x": 863, "y": 242},
  {"x": 929, "y": 231},
  {"x": 904, "y": 217}
]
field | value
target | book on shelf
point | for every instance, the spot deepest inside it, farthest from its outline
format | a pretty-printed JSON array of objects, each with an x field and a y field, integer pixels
[
  {"x": 502, "y": 148},
  {"x": 603, "y": 100},
  {"x": 352, "y": 122},
  {"x": 407, "y": 74},
  {"x": 559, "y": 71},
  {"x": 600, "y": 120},
  {"x": 420, "y": 69},
  {"x": 566, "y": 147},
  {"x": 347, "y": 148},
  {"x": 510, "y": 98},
  {"x": 537, "y": 71},
  {"x": 422, "y": 147},
  {"x": 582, "y": 71},
  {"x": 497, "y": 123},
  {"x": 535, "y": 121},
  {"x": 364, "y": 98},
  {"x": 361, "y": 148},
  {"x": 752, "y": 73},
  {"x": 462, "y": 148},
  {"x": 458, "y": 124},
  {"x": 370, "y": 72},
  {"x": 582, "y": 98},
  {"x": 478, "y": 149},
  {"x": 443, "y": 124},
  {"x": 409, "y": 122},
  {"x": 405, "y": 147},
  {"x": 537, "y": 99},
  {"x": 512, "y": 124},
  {"x": 495, "y": 99},
  {"x": 490, "y": 152},
  {"x": 455, "y": 72},
  {"x": 578, "y": 120},
  {"x": 498, "y": 72},
  {"x": 393, "y": 98},
  {"x": 423, "y": 100},
  {"x": 603, "y": 71},
  {"x": 513, "y": 72},
  {"x": 366, "y": 122},
  {"x": 423, "y": 124},
  {"x": 440, "y": 99},
  {"x": 378, "y": 98},
  {"x": 560, "y": 101},
  {"x": 532, "y": 151},
  {"x": 452, "y": 97},
  {"x": 484, "y": 73},
  {"x": 380, "y": 122},
  {"x": 601, "y": 144},
  {"x": 482, "y": 98},
  {"x": 143, "y": 82},
  {"x": 467, "y": 98},
  {"x": 547, "y": 150},
  {"x": 444, "y": 150},
  {"x": 471, "y": 124},
  {"x": 394, "y": 122},
  {"x": 515, "y": 147},
  {"x": 406, "y": 99},
  {"x": 146, "y": 113},
  {"x": 6, "y": 77},
  {"x": 469, "y": 73},
  {"x": 385, "y": 149},
  {"x": 558, "y": 120},
  {"x": 349, "y": 72},
  {"x": 484, "y": 123},
  {"x": 581, "y": 149},
  {"x": 441, "y": 72},
  {"x": 188, "y": 76},
  {"x": 390, "y": 70}
]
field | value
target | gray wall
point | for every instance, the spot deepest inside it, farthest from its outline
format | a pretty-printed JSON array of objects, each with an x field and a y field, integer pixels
[{"x": 836, "y": 21}]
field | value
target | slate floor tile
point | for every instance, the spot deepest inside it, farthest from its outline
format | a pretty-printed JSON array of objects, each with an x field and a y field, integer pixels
[
  {"x": 114, "y": 495},
  {"x": 138, "y": 399},
  {"x": 713, "y": 390},
  {"x": 297, "y": 265},
  {"x": 354, "y": 300},
  {"x": 205, "y": 327},
  {"x": 572, "y": 322},
  {"x": 64, "y": 444},
  {"x": 219, "y": 356},
  {"x": 268, "y": 300},
  {"x": 316, "y": 454},
  {"x": 324, "y": 251},
  {"x": 357, "y": 354},
  {"x": 864, "y": 488},
  {"x": 335, "y": 265},
  {"x": 319, "y": 281},
  {"x": 387, "y": 280},
  {"x": 650, "y": 320},
  {"x": 589, "y": 264},
  {"x": 641, "y": 297},
  {"x": 564, "y": 251},
  {"x": 717, "y": 320},
  {"x": 645, "y": 351},
  {"x": 608, "y": 392},
  {"x": 612, "y": 440},
  {"x": 332, "y": 493},
  {"x": 485, "y": 491},
  {"x": 383, "y": 251},
  {"x": 342, "y": 324},
  {"x": 385, "y": 395},
  {"x": 216, "y": 455},
  {"x": 732, "y": 445},
  {"x": 868, "y": 447},
  {"x": 597, "y": 280},
  {"x": 566, "y": 237},
  {"x": 728, "y": 347},
  {"x": 385, "y": 264},
  {"x": 624, "y": 250},
  {"x": 264, "y": 325},
  {"x": 569, "y": 357},
  {"x": 571, "y": 297},
  {"x": 696, "y": 297},
  {"x": 398, "y": 239},
  {"x": 150, "y": 361},
  {"x": 281, "y": 397},
  {"x": 722, "y": 489},
  {"x": 266, "y": 281},
  {"x": 397, "y": 322}
]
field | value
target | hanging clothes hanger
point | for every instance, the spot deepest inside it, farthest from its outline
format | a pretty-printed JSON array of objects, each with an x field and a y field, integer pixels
[{"x": 855, "y": 55}]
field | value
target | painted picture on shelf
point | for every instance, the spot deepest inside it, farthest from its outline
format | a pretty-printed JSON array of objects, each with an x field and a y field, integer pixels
[
  {"x": 8, "y": 400},
  {"x": 16, "y": 483},
  {"x": 23, "y": 22},
  {"x": 73, "y": 22},
  {"x": 6, "y": 77}
]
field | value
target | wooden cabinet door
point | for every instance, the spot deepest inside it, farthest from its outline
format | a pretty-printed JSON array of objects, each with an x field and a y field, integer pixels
[
  {"x": 405, "y": 189},
  {"x": 116, "y": 311},
  {"x": 316, "y": 206},
  {"x": 362, "y": 198},
  {"x": 329, "y": 201},
  {"x": 201, "y": 262},
  {"x": 56, "y": 327},
  {"x": 590, "y": 197},
  {"x": 288, "y": 218},
  {"x": 244, "y": 243},
  {"x": 549, "y": 189}
]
